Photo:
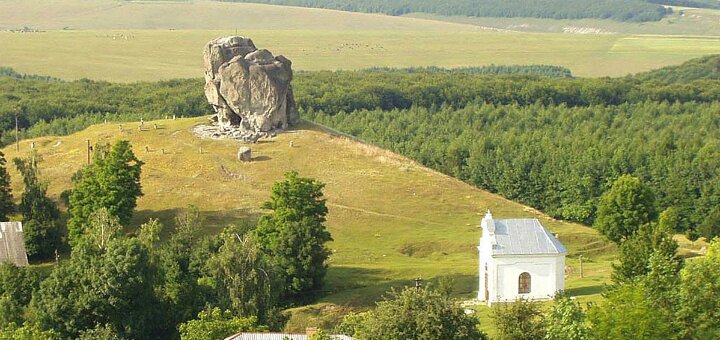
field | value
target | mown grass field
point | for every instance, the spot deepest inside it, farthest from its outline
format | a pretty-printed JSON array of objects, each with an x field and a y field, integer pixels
[
  {"x": 130, "y": 41},
  {"x": 380, "y": 205},
  {"x": 131, "y": 55}
]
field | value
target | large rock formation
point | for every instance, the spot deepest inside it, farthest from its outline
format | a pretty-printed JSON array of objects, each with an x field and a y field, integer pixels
[{"x": 248, "y": 88}]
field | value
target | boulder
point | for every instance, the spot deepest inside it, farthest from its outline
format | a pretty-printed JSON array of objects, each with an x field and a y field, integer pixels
[
  {"x": 244, "y": 154},
  {"x": 249, "y": 88}
]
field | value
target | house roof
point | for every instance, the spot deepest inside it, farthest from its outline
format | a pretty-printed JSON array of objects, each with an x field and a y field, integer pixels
[
  {"x": 524, "y": 236},
  {"x": 12, "y": 244},
  {"x": 278, "y": 336}
]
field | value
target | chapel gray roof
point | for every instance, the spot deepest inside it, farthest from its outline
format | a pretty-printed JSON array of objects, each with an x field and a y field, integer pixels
[
  {"x": 524, "y": 236},
  {"x": 12, "y": 244}
]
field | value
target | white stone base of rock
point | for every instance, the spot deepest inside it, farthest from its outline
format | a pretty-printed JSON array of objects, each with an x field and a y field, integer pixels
[{"x": 238, "y": 134}]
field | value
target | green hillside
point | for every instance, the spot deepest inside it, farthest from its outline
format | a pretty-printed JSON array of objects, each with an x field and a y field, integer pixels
[
  {"x": 392, "y": 220},
  {"x": 705, "y": 68}
]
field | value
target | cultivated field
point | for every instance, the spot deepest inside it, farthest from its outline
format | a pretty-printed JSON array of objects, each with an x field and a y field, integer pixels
[
  {"x": 130, "y": 41},
  {"x": 391, "y": 219}
]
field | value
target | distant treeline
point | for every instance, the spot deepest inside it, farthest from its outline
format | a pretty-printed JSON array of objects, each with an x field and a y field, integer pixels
[
  {"x": 9, "y": 72},
  {"x": 688, "y": 3},
  {"x": 620, "y": 10},
  {"x": 537, "y": 70},
  {"x": 553, "y": 143},
  {"x": 59, "y": 108}
]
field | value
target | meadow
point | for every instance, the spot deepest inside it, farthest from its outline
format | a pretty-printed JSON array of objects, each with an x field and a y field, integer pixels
[
  {"x": 391, "y": 219},
  {"x": 131, "y": 41}
]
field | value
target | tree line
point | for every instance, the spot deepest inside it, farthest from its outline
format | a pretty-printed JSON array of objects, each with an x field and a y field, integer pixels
[
  {"x": 552, "y": 143},
  {"x": 620, "y": 10},
  {"x": 156, "y": 282}
]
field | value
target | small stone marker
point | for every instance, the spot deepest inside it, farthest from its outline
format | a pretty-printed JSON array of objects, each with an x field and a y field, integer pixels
[
  {"x": 174, "y": 117},
  {"x": 244, "y": 154}
]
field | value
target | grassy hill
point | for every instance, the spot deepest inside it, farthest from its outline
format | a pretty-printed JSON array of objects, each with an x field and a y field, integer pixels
[{"x": 392, "y": 220}]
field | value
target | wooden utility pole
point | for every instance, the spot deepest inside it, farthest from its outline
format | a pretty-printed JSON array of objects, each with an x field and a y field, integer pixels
[
  {"x": 89, "y": 149},
  {"x": 17, "y": 139}
]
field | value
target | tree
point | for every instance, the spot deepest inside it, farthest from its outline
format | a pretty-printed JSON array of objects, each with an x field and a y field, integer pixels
[
  {"x": 699, "y": 313},
  {"x": 294, "y": 234},
  {"x": 636, "y": 251},
  {"x": 17, "y": 285},
  {"x": 565, "y": 320},
  {"x": 626, "y": 313},
  {"x": 216, "y": 324},
  {"x": 243, "y": 278},
  {"x": 27, "y": 332},
  {"x": 519, "y": 320},
  {"x": 624, "y": 208},
  {"x": 710, "y": 226},
  {"x": 179, "y": 288},
  {"x": 6, "y": 200},
  {"x": 413, "y": 314},
  {"x": 111, "y": 182},
  {"x": 111, "y": 286},
  {"x": 40, "y": 213}
]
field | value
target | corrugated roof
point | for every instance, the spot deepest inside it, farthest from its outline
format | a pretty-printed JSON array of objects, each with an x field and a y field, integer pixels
[
  {"x": 12, "y": 244},
  {"x": 524, "y": 236},
  {"x": 278, "y": 336}
]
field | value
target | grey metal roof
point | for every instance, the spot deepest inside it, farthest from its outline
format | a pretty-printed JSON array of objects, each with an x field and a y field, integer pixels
[
  {"x": 12, "y": 244},
  {"x": 524, "y": 236},
  {"x": 278, "y": 336}
]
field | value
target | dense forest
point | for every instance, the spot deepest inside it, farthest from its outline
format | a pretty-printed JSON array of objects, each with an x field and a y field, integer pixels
[
  {"x": 620, "y": 10},
  {"x": 552, "y": 143}
]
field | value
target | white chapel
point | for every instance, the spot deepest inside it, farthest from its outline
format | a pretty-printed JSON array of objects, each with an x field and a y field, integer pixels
[{"x": 519, "y": 258}]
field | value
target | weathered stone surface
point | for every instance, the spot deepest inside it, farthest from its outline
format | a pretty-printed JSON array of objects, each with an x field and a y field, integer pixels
[
  {"x": 249, "y": 89},
  {"x": 244, "y": 154}
]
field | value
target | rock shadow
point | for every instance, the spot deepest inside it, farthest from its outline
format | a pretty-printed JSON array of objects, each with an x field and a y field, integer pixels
[{"x": 261, "y": 158}]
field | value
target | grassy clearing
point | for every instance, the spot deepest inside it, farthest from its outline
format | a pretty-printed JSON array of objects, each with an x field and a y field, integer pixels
[
  {"x": 380, "y": 204},
  {"x": 131, "y": 55}
]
